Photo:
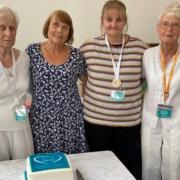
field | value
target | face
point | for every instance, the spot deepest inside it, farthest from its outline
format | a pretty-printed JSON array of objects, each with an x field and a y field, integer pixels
[
  {"x": 7, "y": 30},
  {"x": 58, "y": 31},
  {"x": 113, "y": 22},
  {"x": 169, "y": 29}
]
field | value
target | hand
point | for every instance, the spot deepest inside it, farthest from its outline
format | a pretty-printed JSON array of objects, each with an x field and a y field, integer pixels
[{"x": 28, "y": 103}]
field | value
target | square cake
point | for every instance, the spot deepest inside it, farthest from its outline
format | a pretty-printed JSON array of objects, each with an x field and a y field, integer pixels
[{"x": 49, "y": 166}]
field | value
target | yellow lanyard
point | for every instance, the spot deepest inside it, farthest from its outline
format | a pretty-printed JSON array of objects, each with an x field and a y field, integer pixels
[{"x": 166, "y": 85}]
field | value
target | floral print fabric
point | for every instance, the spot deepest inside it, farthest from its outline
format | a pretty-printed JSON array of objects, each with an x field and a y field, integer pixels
[{"x": 56, "y": 115}]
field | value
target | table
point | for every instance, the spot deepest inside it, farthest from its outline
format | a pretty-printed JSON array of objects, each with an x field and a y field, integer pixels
[{"x": 102, "y": 165}]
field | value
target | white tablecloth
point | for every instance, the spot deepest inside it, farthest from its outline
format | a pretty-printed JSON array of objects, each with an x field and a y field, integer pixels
[{"x": 103, "y": 165}]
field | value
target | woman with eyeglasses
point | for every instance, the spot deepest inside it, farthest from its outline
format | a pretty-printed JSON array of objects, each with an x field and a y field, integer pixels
[{"x": 161, "y": 115}]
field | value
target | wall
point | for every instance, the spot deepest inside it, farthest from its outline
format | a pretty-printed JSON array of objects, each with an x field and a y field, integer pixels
[{"x": 142, "y": 16}]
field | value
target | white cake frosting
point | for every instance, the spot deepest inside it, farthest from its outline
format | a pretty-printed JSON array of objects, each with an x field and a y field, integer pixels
[{"x": 49, "y": 166}]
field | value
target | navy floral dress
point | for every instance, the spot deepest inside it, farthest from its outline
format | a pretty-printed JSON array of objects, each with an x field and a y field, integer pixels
[{"x": 56, "y": 115}]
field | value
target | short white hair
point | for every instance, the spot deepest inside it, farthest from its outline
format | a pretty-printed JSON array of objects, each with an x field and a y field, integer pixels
[
  {"x": 171, "y": 10},
  {"x": 5, "y": 9}
]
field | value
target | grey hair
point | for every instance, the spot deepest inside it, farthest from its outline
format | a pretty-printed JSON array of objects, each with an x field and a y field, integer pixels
[
  {"x": 171, "y": 10},
  {"x": 6, "y": 9}
]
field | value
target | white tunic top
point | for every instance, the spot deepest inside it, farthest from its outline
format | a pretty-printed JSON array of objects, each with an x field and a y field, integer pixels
[
  {"x": 10, "y": 86},
  {"x": 154, "y": 92}
]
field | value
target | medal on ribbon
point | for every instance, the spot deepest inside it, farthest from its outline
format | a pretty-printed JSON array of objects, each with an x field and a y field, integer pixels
[
  {"x": 116, "y": 67},
  {"x": 116, "y": 83}
]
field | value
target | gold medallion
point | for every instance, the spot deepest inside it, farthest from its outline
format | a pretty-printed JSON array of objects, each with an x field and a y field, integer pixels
[{"x": 116, "y": 83}]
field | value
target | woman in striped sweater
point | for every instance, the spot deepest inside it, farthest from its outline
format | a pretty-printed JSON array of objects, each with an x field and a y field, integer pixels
[{"x": 113, "y": 90}]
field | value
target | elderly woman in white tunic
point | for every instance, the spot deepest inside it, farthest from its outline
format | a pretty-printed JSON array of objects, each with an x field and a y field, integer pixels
[
  {"x": 15, "y": 134},
  {"x": 161, "y": 115}
]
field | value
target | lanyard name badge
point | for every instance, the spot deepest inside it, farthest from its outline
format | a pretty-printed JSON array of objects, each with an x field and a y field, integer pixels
[
  {"x": 20, "y": 110},
  {"x": 116, "y": 95},
  {"x": 163, "y": 110}
]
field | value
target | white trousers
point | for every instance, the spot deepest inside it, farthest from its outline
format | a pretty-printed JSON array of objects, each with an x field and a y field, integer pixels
[
  {"x": 15, "y": 144},
  {"x": 161, "y": 152}
]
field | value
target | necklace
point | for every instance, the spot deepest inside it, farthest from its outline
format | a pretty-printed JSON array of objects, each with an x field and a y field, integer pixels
[
  {"x": 167, "y": 82},
  {"x": 116, "y": 67}
]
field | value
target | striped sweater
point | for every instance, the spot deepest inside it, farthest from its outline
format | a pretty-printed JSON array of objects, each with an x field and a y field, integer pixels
[{"x": 99, "y": 108}]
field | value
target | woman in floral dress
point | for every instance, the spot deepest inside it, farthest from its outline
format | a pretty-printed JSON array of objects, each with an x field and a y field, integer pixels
[{"x": 56, "y": 115}]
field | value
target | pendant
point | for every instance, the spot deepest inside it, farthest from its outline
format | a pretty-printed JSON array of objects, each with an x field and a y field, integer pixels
[{"x": 116, "y": 83}]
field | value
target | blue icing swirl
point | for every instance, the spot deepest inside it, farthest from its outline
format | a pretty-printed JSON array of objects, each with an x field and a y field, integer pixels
[{"x": 41, "y": 162}]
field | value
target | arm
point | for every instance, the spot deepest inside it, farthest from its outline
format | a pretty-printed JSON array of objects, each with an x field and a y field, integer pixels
[{"x": 82, "y": 84}]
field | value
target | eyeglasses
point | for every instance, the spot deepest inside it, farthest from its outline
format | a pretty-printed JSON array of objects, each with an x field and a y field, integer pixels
[{"x": 165, "y": 25}]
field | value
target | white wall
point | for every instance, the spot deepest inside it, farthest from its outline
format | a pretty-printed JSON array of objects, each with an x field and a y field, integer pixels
[{"x": 142, "y": 16}]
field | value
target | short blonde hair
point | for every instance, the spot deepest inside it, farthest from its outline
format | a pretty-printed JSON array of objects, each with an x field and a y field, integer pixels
[
  {"x": 63, "y": 17},
  {"x": 115, "y": 4},
  {"x": 171, "y": 10},
  {"x": 5, "y": 9}
]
